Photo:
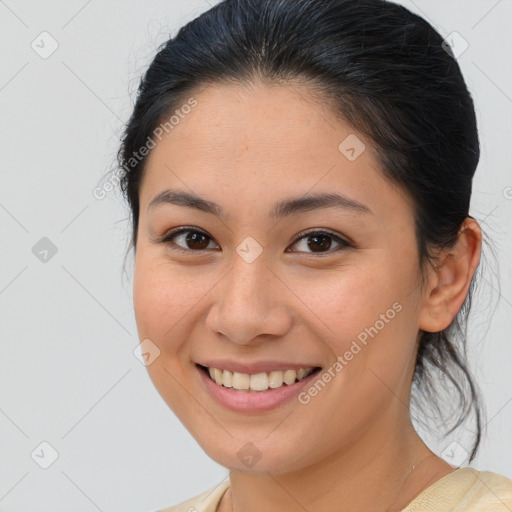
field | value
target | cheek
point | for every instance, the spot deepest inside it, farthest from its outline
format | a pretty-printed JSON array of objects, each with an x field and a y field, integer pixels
[
  {"x": 166, "y": 297},
  {"x": 366, "y": 308},
  {"x": 164, "y": 300},
  {"x": 365, "y": 316},
  {"x": 152, "y": 299}
]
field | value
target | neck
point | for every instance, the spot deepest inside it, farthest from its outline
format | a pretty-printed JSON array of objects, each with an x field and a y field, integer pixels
[{"x": 382, "y": 471}]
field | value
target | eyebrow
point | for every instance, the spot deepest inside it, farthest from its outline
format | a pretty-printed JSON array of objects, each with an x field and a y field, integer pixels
[{"x": 280, "y": 209}]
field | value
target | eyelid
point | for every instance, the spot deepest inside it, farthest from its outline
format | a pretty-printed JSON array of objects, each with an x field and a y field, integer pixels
[{"x": 344, "y": 242}]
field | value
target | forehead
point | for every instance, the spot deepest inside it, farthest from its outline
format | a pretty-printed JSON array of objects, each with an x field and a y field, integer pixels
[
  {"x": 257, "y": 142},
  {"x": 231, "y": 119}
]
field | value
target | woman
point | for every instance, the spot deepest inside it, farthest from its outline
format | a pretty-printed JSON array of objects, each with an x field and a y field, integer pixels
[{"x": 299, "y": 174}]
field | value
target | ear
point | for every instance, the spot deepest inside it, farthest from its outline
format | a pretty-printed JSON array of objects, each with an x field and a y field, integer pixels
[{"x": 448, "y": 281}]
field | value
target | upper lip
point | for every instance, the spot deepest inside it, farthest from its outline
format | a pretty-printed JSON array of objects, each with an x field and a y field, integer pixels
[{"x": 255, "y": 366}]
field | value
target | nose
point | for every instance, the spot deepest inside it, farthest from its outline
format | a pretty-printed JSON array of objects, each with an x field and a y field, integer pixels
[{"x": 250, "y": 304}]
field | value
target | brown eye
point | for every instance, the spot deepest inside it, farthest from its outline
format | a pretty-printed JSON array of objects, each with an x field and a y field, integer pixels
[
  {"x": 188, "y": 239},
  {"x": 320, "y": 242},
  {"x": 196, "y": 240}
]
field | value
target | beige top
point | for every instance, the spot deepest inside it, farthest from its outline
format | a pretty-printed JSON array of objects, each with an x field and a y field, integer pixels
[{"x": 463, "y": 490}]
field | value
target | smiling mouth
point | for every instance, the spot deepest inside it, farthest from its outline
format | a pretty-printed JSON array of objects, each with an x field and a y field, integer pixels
[{"x": 259, "y": 382}]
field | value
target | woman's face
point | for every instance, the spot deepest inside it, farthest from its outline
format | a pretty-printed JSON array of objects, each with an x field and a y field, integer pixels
[{"x": 244, "y": 286}]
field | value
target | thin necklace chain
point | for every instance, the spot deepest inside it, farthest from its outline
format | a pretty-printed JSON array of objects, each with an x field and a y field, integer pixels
[
  {"x": 405, "y": 480},
  {"x": 397, "y": 494}
]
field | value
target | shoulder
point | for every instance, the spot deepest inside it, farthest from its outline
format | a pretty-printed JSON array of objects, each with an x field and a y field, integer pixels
[
  {"x": 207, "y": 501},
  {"x": 468, "y": 490},
  {"x": 490, "y": 490}
]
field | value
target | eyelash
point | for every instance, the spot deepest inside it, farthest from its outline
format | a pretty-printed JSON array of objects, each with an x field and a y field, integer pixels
[{"x": 344, "y": 244}]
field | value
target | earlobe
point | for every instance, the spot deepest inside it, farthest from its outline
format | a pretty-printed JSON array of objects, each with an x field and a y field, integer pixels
[{"x": 448, "y": 282}]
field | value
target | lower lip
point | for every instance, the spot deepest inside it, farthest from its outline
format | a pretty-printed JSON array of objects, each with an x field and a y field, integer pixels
[{"x": 260, "y": 401}]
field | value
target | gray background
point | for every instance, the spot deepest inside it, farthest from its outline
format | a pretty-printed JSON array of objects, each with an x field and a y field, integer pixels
[{"x": 68, "y": 374}]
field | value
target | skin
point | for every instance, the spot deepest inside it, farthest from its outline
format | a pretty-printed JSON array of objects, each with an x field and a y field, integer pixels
[{"x": 353, "y": 446}]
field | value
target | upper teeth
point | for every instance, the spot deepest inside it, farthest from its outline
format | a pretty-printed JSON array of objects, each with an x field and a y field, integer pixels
[{"x": 257, "y": 381}]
